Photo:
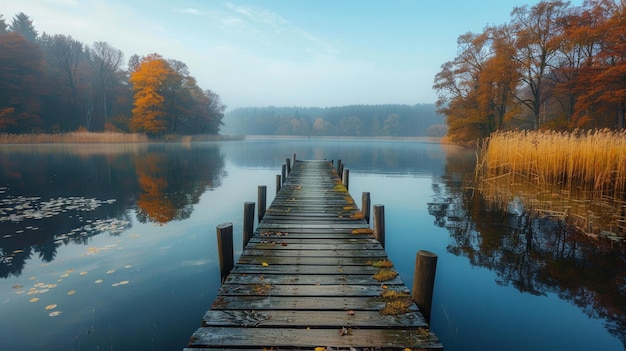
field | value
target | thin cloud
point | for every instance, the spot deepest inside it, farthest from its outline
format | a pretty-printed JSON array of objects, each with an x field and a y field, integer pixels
[
  {"x": 190, "y": 11},
  {"x": 280, "y": 26}
]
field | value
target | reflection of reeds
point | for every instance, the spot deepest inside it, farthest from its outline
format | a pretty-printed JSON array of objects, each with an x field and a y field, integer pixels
[{"x": 580, "y": 176}]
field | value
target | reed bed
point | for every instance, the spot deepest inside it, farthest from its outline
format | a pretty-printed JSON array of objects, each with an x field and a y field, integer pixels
[
  {"x": 74, "y": 137},
  {"x": 579, "y": 176},
  {"x": 594, "y": 160}
]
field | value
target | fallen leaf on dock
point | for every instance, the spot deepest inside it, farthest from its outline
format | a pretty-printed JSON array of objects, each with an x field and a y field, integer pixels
[{"x": 265, "y": 264}]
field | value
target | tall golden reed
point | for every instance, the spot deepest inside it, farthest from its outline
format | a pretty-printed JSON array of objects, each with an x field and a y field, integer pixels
[{"x": 593, "y": 160}]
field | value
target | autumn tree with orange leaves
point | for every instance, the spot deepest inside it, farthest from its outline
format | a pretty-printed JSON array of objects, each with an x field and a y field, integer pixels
[
  {"x": 168, "y": 99},
  {"x": 148, "y": 81},
  {"x": 553, "y": 66}
]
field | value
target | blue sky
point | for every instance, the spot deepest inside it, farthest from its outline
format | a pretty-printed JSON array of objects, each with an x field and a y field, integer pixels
[{"x": 283, "y": 52}]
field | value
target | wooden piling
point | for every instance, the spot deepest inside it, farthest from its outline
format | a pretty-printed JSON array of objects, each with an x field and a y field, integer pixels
[
  {"x": 248, "y": 222},
  {"x": 379, "y": 224},
  {"x": 262, "y": 201},
  {"x": 278, "y": 183},
  {"x": 339, "y": 168},
  {"x": 225, "y": 249},
  {"x": 294, "y": 158},
  {"x": 424, "y": 281},
  {"x": 284, "y": 173},
  {"x": 365, "y": 205},
  {"x": 346, "y": 178},
  {"x": 288, "y": 165}
]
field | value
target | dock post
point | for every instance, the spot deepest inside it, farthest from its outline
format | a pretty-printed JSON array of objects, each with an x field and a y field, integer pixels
[
  {"x": 262, "y": 200},
  {"x": 284, "y": 172},
  {"x": 278, "y": 183},
  {"x": 248, "y": 222},
  {"x": 424, "y": 282},
  {"x": 346, "y": 178},
  {"x": 288, "y": 163},
  {"x": 225, "y": 249},
  {"x": 379, "y": 224},
  {"x": 339, "y": 168},
  {"x": 294, "y": 158},
  {"x": 365, "y": 205}
]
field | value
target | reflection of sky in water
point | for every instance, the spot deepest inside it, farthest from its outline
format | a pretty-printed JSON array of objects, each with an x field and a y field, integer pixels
[{"x": 174, "y": 274}]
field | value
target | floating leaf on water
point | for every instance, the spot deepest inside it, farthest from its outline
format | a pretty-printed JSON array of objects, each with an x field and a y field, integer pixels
[
  {"x": 43, "y": 291},
  {"x": 64, "y": 275},
  {"x": 128, "y": 266},
  {"x": 115, "y": 284},
  {"x": 17, "y": 286},
  {"x": 54, "y": 314},
  {"x": 52, "y": 286},
  {"x": 51, "y": 307},
  {"x": 32, "y": 278},
  {"x": 69, "y": 271},
  {"x": 34, "y": 299},
  {"x": 32, "y": 292},
  {"x": 98, "y": 281},
  {"x": 83, "y": 273},
  {"x": 20, "y": 292},
  {"x": 124, "y": 282},
  {"x": 39, "y": 285},
  {"x": 71, "y": 292},
  {"x": 111, "y": 271}
]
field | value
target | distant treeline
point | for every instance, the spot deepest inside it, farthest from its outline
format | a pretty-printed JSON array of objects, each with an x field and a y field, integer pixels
[{"x": 354, "y": 120}]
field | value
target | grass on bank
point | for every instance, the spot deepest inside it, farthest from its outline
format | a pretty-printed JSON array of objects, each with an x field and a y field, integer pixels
[{"x": 104, "y": 138}]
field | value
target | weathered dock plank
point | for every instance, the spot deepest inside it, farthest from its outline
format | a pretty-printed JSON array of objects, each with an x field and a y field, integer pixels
[{"x": 306, "y": 279}]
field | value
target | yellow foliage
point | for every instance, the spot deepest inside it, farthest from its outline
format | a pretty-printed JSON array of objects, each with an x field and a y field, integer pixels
[{"x": 385, "y": 274}]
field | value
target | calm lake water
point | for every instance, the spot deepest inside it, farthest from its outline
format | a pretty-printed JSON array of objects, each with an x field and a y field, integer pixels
[{"x": 114, "y": 247}]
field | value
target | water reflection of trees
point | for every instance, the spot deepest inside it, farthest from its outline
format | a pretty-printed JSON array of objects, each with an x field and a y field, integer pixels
[
  {"x": 136, "y": 179},
  {"x": 171, "y": 183},
  {"x": 536, "y": 255}
]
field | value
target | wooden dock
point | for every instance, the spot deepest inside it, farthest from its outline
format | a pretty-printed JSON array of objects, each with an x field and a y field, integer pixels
[{"x": 306, "y": 280}]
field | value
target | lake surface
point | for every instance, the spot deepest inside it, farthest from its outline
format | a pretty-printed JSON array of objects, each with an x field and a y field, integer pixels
[{"x": 114, "y": 247}]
